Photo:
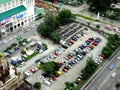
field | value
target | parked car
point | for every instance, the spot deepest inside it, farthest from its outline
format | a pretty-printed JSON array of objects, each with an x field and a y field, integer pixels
[
  {"x": 113, "y": 74},
  {"x": 37, "y": 60},
  {"x": 53, "y": 77},
  {"x": 28, "y": 73},
  {"x": 14, "y": 62},
  {"x": 108, "y": 27},
  {"x": 95, "y": 43},
  {"x": 11, "y": 51},
  {"x": 111, "y": 66},
  {"x": 64, "y": 70}
]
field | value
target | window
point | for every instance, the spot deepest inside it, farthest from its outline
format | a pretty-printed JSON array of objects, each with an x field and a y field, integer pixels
[
  {"x": 5, "y": 6},
  {"x": 13, "y": 3},
  {"x": 9, "y": 5},
  {"x": 19, "y": 25},
  {"x": 15, "y": 26},
  {"x": 22, "y": 23}
]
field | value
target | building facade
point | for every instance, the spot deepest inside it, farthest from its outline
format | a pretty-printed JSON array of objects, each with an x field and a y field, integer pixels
[
  {"x": 4, "y": 68},
  {"x": 15, "y": 14}
]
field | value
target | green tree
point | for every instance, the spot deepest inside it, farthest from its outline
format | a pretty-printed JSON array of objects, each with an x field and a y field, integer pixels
[
  {"x": 55, "y": 37},
  {"x": 69, "y": 86},
  {"x": 99, "y": 5},
  {"x": 50, "y": 67},
  {"x": 107, "y": 51},
  {"x": 50, "y": 19},
  {"x": 65, "y": 15},
  {"x": 89, "y": 68},
  {"x": 44, "y": 30},
  {"x": 117, "y": 85},
  {"x": 97, "y": 26},
  {"x": 37, "y": 85}
]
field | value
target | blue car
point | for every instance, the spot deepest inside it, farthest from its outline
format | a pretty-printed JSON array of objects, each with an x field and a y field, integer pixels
[
  {"x": 14, "y": 62},
  {"x": 111, "y": 66}
]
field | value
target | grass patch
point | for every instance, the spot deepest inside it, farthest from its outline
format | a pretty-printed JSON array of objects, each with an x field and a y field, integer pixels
[
  {"x": 91, "y": 19},
  {"x": 30, "y": 56}
]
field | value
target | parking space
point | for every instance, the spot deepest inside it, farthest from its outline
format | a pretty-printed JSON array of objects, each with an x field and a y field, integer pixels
[{"x": 71, "y": 74}]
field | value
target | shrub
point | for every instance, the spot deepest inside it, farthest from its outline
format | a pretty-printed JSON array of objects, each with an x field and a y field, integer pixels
[
  {"x": 37, "y": 85},
  {"x": 97, "y": 26},
  {"x": 25, "y": 40},
  {"x": 14, "y": 45}
]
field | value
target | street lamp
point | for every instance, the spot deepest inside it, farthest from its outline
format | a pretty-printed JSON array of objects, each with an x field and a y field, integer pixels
[{"x": 0, "y": 35}]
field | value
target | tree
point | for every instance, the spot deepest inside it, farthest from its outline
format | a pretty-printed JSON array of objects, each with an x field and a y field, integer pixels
[
  {"x": 117, "y": 85},
  {"x": 50, "y": 23},
  {"x": 37, "y": 85},
  {"x": 50, "y": 67},
  {"x": 65, "y": 15},
  {"x": 69, "y": 86},
  {"x": 44, "y": 30},
  {"x": 50, "y": 19},
  {"x": 55, "y": 37},
  {"x": 97, "y": 26},
  {"x": 99, "y": 5},
  {"x": 89, "y": 68}
]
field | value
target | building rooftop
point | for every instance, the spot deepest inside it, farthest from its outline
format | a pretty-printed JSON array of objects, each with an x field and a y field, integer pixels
[{"x": 4, "y": 1}]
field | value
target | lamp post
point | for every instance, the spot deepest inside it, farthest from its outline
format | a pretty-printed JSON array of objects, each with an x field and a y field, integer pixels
[{"x": 0, "y": 34}]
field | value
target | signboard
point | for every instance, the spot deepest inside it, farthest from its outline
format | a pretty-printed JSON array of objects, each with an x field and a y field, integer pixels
[
  {"x": 20, "y": 15},
  {"x": 4, "y": 21}
]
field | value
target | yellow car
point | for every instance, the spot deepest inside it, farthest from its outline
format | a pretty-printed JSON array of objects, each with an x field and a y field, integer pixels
[{"x": 38, "y": 66}]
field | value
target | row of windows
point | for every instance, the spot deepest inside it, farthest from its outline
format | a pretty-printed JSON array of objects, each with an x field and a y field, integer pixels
[{"x": 9, "y": 5}]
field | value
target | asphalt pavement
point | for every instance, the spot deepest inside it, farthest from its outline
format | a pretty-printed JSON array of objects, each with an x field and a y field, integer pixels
[{"x": 104, "y": 81}]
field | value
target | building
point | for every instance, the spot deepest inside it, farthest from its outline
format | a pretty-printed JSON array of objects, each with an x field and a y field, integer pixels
[
  {"x": 10, "y": 79},
  {"x": 4, "y": 68},
  {"x": 15, "y": 14}
]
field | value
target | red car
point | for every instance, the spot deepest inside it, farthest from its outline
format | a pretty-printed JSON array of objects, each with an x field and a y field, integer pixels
[
  {"x": 69, "y": 57},
  {"x": 101, "y": 55},
  {"x": 95, "y": 43},
  {"x": 64, "y": 70},
  {"x": 89, "y": 40},
  {"x": 53, "y": 77},
  {"x": 90, "y": 46},
  {"x": 32, "y": 70},
  {"x": 71, "y": 42},
  {"x": 56, "y": 53}
]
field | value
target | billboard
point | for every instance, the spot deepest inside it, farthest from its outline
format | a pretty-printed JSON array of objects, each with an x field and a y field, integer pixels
[
  {"x": 6, "y": 20},
  {"x": 20, "y": 15}
]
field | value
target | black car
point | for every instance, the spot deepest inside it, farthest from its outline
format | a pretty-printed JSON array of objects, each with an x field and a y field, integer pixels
[
  {"x": 67, "y": 67},
  {"x": 64, "y": 46},
  {"x": 16, "y": 48},
  {"x": 74, "y": 38},
  {"x": 42, "y": 63},
  {"x": 45, "y": 74}
]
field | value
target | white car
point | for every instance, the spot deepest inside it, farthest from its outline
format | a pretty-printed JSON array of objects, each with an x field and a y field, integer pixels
[
  {"x": 28, "y": 73},
  {"x": 22, "y": 64},
  {"x": 118, "y": 57},
  {"x": 114, "y": 74},
  {"x": 5, "y": 41}
]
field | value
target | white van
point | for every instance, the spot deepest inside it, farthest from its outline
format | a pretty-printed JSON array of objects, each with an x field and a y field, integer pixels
[{"x": 47, "y": 83}]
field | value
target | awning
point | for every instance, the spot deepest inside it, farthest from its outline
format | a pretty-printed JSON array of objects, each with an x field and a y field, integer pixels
[
  {"x": 39, "y": 10},
  {"x": 12, "y": 12}
]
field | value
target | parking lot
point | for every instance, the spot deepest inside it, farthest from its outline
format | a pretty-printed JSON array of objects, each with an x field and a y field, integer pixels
[{"x": 75, "y": 70}]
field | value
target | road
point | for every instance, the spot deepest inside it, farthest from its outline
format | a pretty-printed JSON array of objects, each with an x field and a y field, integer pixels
[{"x": 104, "y": 81}]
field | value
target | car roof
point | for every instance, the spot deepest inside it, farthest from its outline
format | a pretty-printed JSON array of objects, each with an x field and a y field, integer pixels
[{"x": 111, "y": 65}]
